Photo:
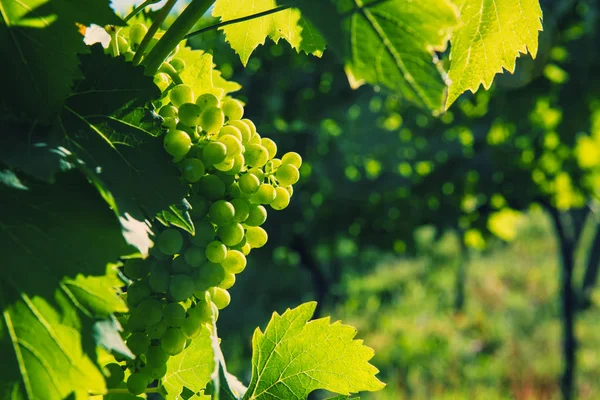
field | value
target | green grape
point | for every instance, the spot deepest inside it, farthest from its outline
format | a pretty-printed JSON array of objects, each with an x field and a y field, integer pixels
[
  {"x": 235, "y": 262},
  {"x": 273, "y": 164},
  {"x": 151, "y": 310},
  {"x": 226, "y": 178},
  {"x": 162, "y": 80},
  {"x": 180, "y": 266},
  {"x": 256, "y": 236},
  {"x": 156, "y": 356},
  {"x": 221, "y": 213},
  {"x": 181, "y": 287},
  {"x": 246, "y": 248},
  {"x": 212, "y": 187},
  {"x": 264, "y": 195},
  {"x": 138, "y": 343},
  {"x": 238, "y": 164},
  {"x": 137, "y": 33},
  {"x": 282, "y": 199},
  {"x": 177, "y": 143},
  {"x": 173, "y": 342},
  {"x": 136, "y": 322},
  {"x": 178, "y": 64},
  {"x": 205, "y": 233},
  {"x": 170, "y": 123},
  {"x": 258, "y": 172},
  {"x": 216, "y": 251},
  {"x": 137, "y": 292},
  {"x": 270, "y": 146},
  {"x": 157, "y": 331},
  {"x": 244, "y": 129},
  {"x": 207, "y": 100},
  {"x": 137, "y": 383},
  {"x": 202, "y": 311},
  {"x": 115, "y": 375},
  {"x": 200, "y": 205},
  {"x": 249, "y": 183},
  {"x": 189, "y": 114},
  {"x": 287, "y": 175},
  {"x": 170, "y": 241},
  {"x": 233, "y": 145},
  {"x": 292, "y": 158},
  {"x": 225, "y": 165},
  {"x": 136, "y": 268},
  {"x": 234, "y": 191},
  {"x": 168, "y": 111},
  {"x": 122, "y": 44},
  {"x": 231, "y": 234},
  {"x": 191, "y": 131},
  {"x": 233, "y": 109},
  {"x": 231, "y": 130},
  {"x": 181, "y": 94},
  {"x": 192, "y": 169},
  {"x": 214, "y": 153},
  {"x": 255, "y": 139},
  {"x": 257, "y": 215},
  {"x": 174, "y": 314},
  {"x": 195, "y": 256},
  {"x": 242, "y": 209},
  {"x": 159, "y": 278},
  {"x": 228, "y": 282},
  {"x": 220, "y": 297},
  {"x": 290, "y": 190},
  {"x": 157, "y": 372},
  {"x": 256, "y": 155},
  {"x": 210, "y": 274},
  {"x": 250, "y": 125},
  {"x": 211, "y": 119},
  {"x": 191, "y": 327}
]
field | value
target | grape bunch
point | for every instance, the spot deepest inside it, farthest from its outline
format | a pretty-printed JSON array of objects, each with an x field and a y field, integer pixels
[{"x": 233, "y": 174}]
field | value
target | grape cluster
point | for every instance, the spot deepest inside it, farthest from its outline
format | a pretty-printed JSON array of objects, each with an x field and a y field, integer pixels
[{"x": 232, "y": 173}]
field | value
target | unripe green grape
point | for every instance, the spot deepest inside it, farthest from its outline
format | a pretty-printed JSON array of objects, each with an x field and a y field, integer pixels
[
  {"x": 192, "y": 169},
  {"x": 235, "y": 262},
  {"x": 220, "y": 297},
  {"x": 264, "y": 195},
  {"x": 202, "y": 311},
  {"x": 282, "y": 200},
  {"x": 234, "y": 191},
  {"x": 205, "y": 233},
  {"x": 178, "y": 64},
  {"x": 270, "y": 146},
  {"x": 181, "y": 287},
  {"x": 157, "y": 331},
  {"x": 151, "y": 310},
  {"x": 137, "y": 292},
  {"x": 287, "y": 175},
  {"x": 226, "y": 178},
  {"x": 231, "y": 234},
  {"x": 174, "y": 314},
  {"x": 122, "y": 44},
  {"x": 233, "y": 145},
  {"x": 250, "y": 125},
  {"x": 162, "y": 80},
  {"x": 211, "y": 119},
  {"x": 221, "y": 213},
  {"x": 137, "y": 383},
  {"x": 200, "y": 205},
  {"x": 212, "y": 187},
  {"x": 177, "y": 143},
  {"x": 242, "y": 209},
  {"x": 258, "y": 172},
  {"x": 189, "y": 114},
  {"x": 137, "y": 33},
  {"x": 292, "y": 158},
  {"x": 249, "y": 183},
  {"x": 245, "y": 131},
  {"x": 231, "y": 130},
  {"x": 191, "y": 327},
  {"x": 157, "y": 372},
  {"x": 233, "y": 109},
  {"x": 173, "y": 342},
  {"x": 207, "y": 100},
  {"x": 274, "y": 164},
  {"x": 228, "y": 282},
  {"x": 170, "y": 241},
  {"x": 180, "y": 266},
  {"x": 225, "y": 165},
  {"x": 210, "y": 274},
  {"x": 214, "y": 153},
  {"x": 255, "y": 139},
  {"x": 245, "y": 249},
  {"x": 290, "y": 190},
  {"x": 181, "y": 94},
  {"x": 115, "y": 375},
  {"x": 138, "y": 343},
  {"x": 257, "y": 215},
  {"x": 136, "y": 322},
  {"x": 216, "y": 251},
  {"x": 169, "y": 123},
  {"x": 238, "y": 164},
  {"x": 136, "y": 268},
  {"x": 256, "y": 237},
  {"x": 168, "y": 111},
  {"x": 156, "y": 356},
  {"x": 195, "y": 256},
  {"x": 256, "y": 155},
  {"x": 159, "y": 278},
  {"x": 190, "y": 130}
]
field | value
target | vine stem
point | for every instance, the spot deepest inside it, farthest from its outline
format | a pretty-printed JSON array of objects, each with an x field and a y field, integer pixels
[
  {"x": 237, "y": 20},
  {"x": 160, "y": 17},
  {"x": 175, "y": 34},
  {"x": 139, "y": 8}
]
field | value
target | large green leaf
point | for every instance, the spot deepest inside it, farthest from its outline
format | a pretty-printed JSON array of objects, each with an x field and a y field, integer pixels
[
  {"x": 287, "y": 24},
  {"x": 40, "y": 42},
  {"x": 492, "y": 35},
  {"x": 57, "y": 241},
  {"x": 294, "y": 357}
]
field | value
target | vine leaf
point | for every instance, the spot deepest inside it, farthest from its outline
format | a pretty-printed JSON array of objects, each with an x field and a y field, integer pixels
[
  {"x": 40, "y": 43},
  {"x": 294, "y": 357},
  {"x": 245, "y": 37},
  {"x": 56, "y": 284},
  {"x": 492, "y": 35},
  {"x": 177, "y": 215}
]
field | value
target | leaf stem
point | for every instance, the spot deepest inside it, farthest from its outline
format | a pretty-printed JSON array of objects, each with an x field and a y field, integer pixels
[
  {"x": 237, "y": 20},
  {"x": 160, "y": 17},
  {"x": 175, "y": 34},
  {"x": 139, "y": 8}
]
